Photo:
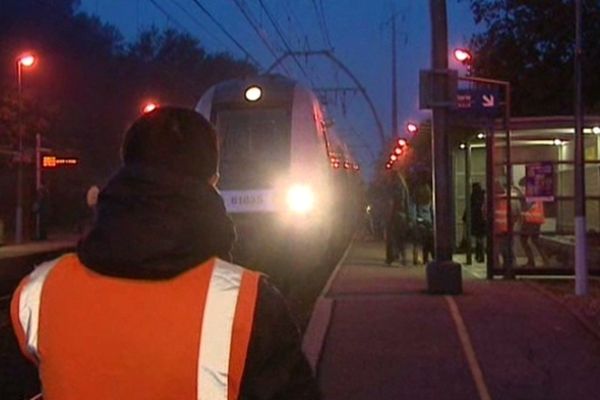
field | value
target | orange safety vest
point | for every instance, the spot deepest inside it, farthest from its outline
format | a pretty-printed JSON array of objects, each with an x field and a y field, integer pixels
[
  {"x": 535, "y": 214},
  {"x": 99, "y": 337},
  {"x": 501, "y": 216}
]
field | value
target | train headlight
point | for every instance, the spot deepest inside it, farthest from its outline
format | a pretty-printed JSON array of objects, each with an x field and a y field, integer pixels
[
  {"x": 300, "y": 199},
  {"x": 253, "y": 93}
]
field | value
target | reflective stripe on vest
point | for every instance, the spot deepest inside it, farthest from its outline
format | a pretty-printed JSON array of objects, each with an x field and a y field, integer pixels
[
  {"x": 217, "y": 328},
  {"x": 29, "y": 305},
  {"x": 501, "y": 216},
  {"x": 535, "y": 214},
  {"x": 229, "y": 299}
]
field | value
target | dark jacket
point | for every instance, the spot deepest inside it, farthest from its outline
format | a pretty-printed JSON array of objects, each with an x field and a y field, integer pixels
[{"x": 146, "y": 219}]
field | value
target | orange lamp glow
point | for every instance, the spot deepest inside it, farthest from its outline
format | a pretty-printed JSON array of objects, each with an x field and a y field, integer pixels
[
  {"x": 149, "y": 107},
  {"x": 26, "y": 59},
  {"x": 412, "y": 128},
  {"x": 463, "y": 55}
]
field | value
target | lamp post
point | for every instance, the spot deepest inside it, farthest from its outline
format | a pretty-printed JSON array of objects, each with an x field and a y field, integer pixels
[{"x": 25, "y": 60}]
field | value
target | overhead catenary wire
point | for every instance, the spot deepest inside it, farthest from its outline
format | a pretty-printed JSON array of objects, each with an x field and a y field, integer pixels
[
  {"x": 322, "y": 24},
  {"x": 282, "y": 37},
  {"x": 169, "y": 16},
  {"x": 256, "y": 29},
  {"x": 198, "y": 22},
  {"x": 229, "y": 36}
]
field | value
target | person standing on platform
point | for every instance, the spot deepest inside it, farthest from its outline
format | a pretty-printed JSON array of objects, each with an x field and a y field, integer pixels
[
  {"x": 398, "y": 218},
  {"x": 149, "y": 307},
  {"x": 532, "y": 219},
  {"x": 478, "y": 223},
  {"x": 423, "y": 223}
]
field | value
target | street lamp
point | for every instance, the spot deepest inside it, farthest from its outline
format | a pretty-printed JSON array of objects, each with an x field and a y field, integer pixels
[
  {"x": 25, "y": 60},
  {"x": 149, "y": 107},
  {"x": 465, "y": 57}
]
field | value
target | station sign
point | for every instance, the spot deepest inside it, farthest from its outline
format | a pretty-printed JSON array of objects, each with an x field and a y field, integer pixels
[
  {"x": 479, "y": 101},
  {"x": 55, "y": 162}
]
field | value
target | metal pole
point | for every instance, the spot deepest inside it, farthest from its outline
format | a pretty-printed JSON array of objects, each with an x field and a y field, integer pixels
[
  {"x": 490, "y": 202},
  {"x": 38, "y": 182},
  {"x": 508, "y": 264},
  {"x": 19, "y": 210},
  {"x": 581, "y": 270},
  {"x": 439, "y": 138},
  {"x": 394, "y": 84},
  {"x": 468, "y": 216},
  {"x": 443, "y": 275}
]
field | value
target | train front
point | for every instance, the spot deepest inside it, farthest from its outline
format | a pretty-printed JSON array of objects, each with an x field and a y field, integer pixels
[{"x": 274, "y": 176}]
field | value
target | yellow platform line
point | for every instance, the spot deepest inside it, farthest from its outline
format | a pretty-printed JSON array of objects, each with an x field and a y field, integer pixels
[{"x": 467, "y": 346}]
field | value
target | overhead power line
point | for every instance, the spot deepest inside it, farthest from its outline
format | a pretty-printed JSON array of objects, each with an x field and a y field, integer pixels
[
  {"x": 252, "y": 23},
  {"x": 198, "y": 22},
  {"x": 322, "y": 22},
  {"x": 222, "y": 28},
  {"x": 169, "y": 16},
  {"x": 278, "y": 30}
]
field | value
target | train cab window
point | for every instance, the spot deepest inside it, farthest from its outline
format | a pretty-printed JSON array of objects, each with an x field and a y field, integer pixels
[{"x": 253, "y": 144}]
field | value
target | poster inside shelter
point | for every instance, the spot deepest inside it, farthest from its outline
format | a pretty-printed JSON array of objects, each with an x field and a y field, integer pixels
[{"x": 539, "y": 181}]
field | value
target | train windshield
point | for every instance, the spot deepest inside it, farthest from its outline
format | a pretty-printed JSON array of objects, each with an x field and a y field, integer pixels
[{"x": 254, "y": 146}]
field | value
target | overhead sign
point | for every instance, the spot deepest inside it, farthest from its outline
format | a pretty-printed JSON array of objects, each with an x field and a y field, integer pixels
[
  {"x": 539, "y": 181},
  {"x": 53, "y": 161},
  {"x": 479, "y": 101}
]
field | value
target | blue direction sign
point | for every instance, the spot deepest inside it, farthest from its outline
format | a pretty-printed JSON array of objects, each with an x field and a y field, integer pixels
[{"x": 479, "y": 101}]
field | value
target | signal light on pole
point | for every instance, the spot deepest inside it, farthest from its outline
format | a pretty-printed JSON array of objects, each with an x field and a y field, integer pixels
[{"x": 412, "y": 128}]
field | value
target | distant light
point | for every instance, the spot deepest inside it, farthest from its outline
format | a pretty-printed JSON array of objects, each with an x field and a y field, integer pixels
[
  {"x": 596, "y": 130},
  {"x": 412, "y": 127},
  {"x": 336, "y": 164},
  {"x": 463, "y": 55},
  {"x": 356, "y": 167},
  {"x": 558, "y": 142},
  {"x": 393, "y": 157},
  {"x": 397, "y": 150},
  {"x": 388, "y": 166},
  {"x": 26, "y": 59},
  {"x": 402, "y": 142},
  {"x": 480, "y": 135},
  {"x": 253, "y": 93},
  {"x": 347, "y": 165},
  {"x": 149, "y": 107},
  {"x": 463, "y": 146}
]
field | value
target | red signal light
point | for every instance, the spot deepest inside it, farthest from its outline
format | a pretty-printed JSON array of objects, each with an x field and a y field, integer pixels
[
  {"x": 397, "y": 151},
  {"x": 393, "y": 157},
  {"x": 388, "y": 166},
  {"x": 402, "y": 142}
]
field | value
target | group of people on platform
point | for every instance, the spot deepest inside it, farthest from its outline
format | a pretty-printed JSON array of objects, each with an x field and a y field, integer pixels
[
  {"x": 528, "y": 214},
  {"x": 406, "y": 219},
  {"x": 403, "y": 217}
]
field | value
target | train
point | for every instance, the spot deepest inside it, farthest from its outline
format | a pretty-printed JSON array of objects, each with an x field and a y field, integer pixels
[{"x": 287, "y": 180}]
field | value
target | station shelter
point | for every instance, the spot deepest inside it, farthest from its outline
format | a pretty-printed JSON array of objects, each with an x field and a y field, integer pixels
[{"x": 536, "y": 161}]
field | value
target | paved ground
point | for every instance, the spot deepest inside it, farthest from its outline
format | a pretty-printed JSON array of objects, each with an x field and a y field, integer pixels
[{"x": 377, "y": 334}]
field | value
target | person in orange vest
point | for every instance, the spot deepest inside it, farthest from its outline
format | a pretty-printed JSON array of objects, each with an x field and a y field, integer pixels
[
  {"x": 149, "y": 307},
  {"x": 532, "y": 219},
  {"x": 501, "y": 223}
]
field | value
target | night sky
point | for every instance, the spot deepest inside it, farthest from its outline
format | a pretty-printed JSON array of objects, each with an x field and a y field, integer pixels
[{"x": 355, "y": 29}]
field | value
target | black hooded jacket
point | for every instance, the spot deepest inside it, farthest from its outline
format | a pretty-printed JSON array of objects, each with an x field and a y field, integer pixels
[{"x": 152, "y": 225}]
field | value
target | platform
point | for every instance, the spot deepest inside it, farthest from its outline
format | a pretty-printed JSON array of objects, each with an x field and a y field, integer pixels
[{"x": 376, "y": 334}]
